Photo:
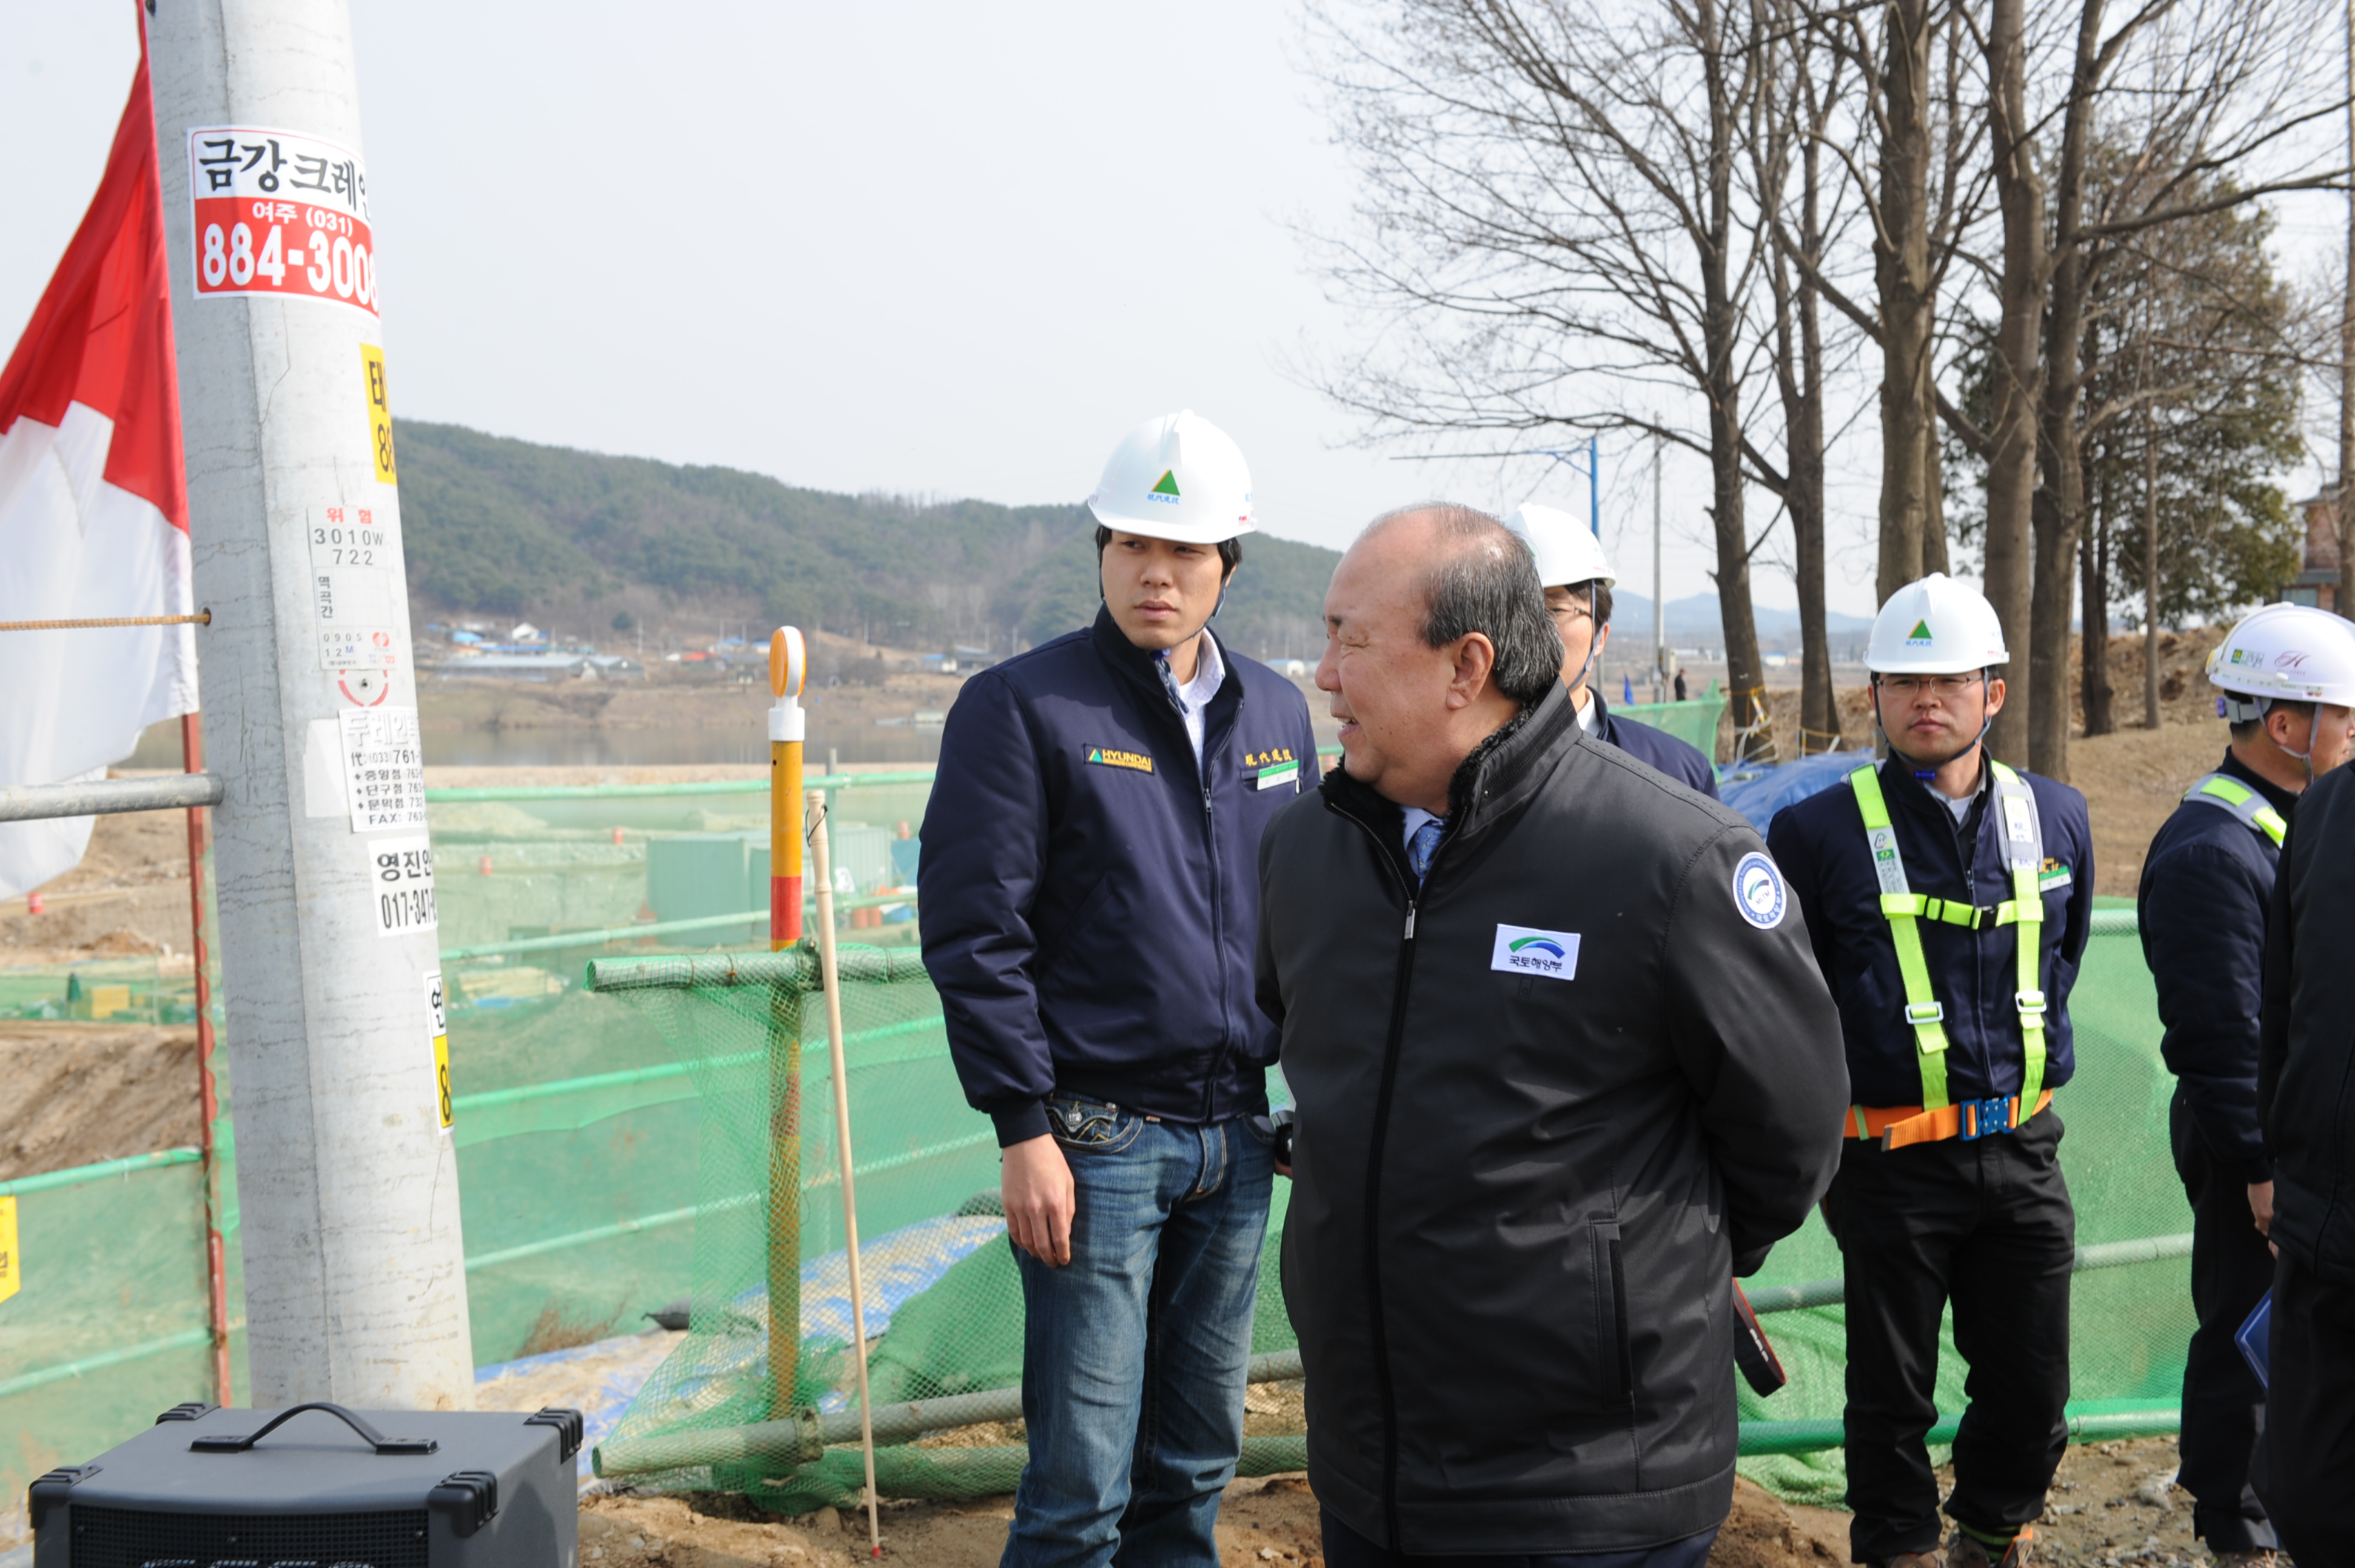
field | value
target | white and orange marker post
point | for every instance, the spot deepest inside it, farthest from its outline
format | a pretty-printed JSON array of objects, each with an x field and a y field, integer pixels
[{"x": 788, "y": 671}]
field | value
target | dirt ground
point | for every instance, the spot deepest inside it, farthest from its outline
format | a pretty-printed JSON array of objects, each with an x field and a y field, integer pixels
[
  {"x": 1267, "y": 1523},
  {"x": 2113, "y": 1503}
]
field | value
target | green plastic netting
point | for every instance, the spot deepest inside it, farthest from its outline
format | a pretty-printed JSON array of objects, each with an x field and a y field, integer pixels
[
  {"x": 614, "y": 1156},
  {"x": 962, "y": 1332}
]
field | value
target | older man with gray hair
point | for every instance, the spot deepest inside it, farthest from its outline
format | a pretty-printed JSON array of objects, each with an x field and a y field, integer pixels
[{"x": 1563, "y": 1065}]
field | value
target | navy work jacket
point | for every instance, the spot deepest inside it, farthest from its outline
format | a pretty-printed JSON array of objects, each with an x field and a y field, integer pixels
[
  {"x": 1655, "y": 749},
  {"x": 2201, "y": 905},
  {"x": 1819, "y": 843},
  {"x": 1089, "y": 898}
]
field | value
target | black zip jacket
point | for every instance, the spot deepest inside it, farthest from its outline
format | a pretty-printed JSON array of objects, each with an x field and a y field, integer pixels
[
  {"x": 1522, "y": 1175},
  {"x": 1086, "y": 892},
  {"x": 2200, "y": 908},
  {"x": 1821, "y": 845},
  {"x": 2306, "y": 1048}
]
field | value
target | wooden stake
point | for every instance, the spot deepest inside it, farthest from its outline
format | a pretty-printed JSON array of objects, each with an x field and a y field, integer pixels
[{"x": 832, "y": 977}]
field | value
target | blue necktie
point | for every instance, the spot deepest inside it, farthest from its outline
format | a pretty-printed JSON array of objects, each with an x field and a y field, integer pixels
[{"x": 1423, "y": 846}]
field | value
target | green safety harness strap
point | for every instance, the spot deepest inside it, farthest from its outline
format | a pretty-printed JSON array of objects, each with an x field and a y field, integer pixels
[
  {"x": 2242, "y": 801},
  {"x": 1905, "y": 908}
]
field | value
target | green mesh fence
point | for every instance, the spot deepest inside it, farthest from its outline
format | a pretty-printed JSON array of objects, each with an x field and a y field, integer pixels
[
  {"x": 1693, "y": 722},
  {"x": 961, "y": 1332},
  {"x": 615, "y": 1155}
]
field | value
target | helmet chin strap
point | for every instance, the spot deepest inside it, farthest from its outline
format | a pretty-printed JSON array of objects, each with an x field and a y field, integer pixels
[{"x": 2236, "y": 703}]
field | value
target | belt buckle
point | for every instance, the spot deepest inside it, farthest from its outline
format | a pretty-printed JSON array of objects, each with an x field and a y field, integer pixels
[{"x": 1983, "y": 1116}]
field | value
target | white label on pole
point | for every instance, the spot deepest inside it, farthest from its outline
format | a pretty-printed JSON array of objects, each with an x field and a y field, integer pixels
[
  {"x": 438, "y": 1029},
  {"x": 384, "y": 766},
  {"x": 281, "y": 214},
  {"x": 401, "y": 876},
  {"x": 355, "y": 590},
  {"x": 323, "y": 770}
]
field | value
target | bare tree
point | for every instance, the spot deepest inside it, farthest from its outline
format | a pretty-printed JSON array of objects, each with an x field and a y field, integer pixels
[
  {"x": 1787, "y": 140},
  {"x": 1551, "y": 209}
]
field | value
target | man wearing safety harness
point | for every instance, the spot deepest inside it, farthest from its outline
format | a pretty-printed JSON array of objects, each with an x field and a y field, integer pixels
[
  {"x": 2286, "y": 675},
  {"x": 1578, "y": 581},
  {"x": 1948, "y": 898}
]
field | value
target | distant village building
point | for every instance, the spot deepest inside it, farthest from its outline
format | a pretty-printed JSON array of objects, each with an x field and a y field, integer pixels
[{"x": 2317, "y": 584}]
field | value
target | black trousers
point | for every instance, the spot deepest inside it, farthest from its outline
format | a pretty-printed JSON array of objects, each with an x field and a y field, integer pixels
[
  {"x": 1345, "y": 1548},
  {"x": 2308, "y": 1482},
  {"x": 1986, "y": 1225},
  {"x": 2223, "y": 1404}
]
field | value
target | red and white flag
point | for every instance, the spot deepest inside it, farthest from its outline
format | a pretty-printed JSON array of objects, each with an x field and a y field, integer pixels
[{"x": 93, "y": 506}]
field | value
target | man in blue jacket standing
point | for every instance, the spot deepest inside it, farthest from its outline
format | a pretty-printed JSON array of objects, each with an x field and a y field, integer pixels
[
  {"x": 1948, "y": 898},
  {"x": 1089, "y": 902},
  {"x": 2286, "y": 676},
  {"x": 1578, "y": 581}
]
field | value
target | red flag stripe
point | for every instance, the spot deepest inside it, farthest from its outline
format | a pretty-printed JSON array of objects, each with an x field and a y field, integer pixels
[{"x": 101, "y": 336}]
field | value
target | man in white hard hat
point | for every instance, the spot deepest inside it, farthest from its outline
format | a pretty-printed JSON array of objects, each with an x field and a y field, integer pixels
[
  {"x": 2285, "y": 681},
  {"x": 1089, "y": 907},
  {"x": 1578, "y": 581},
  {"x": 1948, "y": 898}
]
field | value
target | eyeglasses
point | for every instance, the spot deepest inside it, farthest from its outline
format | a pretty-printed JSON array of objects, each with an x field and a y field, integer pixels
[
  {"x": 1911, "y": 686},
  {"x": 1569, "y": 612}
]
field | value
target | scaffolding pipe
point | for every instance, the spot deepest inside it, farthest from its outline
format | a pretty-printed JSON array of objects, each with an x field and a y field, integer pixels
[
  {"x": 804, "y": 1439},
  {"x": 102, "y": 797},
  {"x": 192, "y": 760}
]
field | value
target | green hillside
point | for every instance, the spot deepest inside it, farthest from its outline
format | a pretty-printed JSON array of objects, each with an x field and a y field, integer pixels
[{"x": 509, "y": 528}]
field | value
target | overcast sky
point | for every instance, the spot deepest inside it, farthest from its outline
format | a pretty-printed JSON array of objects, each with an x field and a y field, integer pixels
[{"x": 929, "y": 248}]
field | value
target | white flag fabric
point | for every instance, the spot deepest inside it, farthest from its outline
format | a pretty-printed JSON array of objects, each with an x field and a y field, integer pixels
[{"x": 93, "y": 508}]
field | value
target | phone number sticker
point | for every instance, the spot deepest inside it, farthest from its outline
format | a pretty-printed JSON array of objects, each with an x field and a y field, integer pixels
[
  {"x": 400, "y": 873},
  {"x": 384, "y": 768},
  {"x": 280, "y": 213}
]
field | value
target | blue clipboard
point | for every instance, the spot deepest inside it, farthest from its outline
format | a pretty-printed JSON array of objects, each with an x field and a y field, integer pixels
[{"x": 2256, "y": 1339}]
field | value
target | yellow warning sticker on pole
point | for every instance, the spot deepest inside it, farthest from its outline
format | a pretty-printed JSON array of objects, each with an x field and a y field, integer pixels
[
  {"x": 11, "y": 1266},
  {"x": 379, "y": 412},
  {"x": 439, "y": 1024}
]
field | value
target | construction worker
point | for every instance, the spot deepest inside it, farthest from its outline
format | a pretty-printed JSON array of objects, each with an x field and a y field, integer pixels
[
  {"x": 1948, "y": 898},
  {"x": 1089, "y": 907},
  {"x": 2306, "y": 1059},
  {"x": 2286, "y": 676},
  {"x": 1578, "y": 581}
]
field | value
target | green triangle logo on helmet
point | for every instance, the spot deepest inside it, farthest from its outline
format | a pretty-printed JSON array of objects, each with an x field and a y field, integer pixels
[
  {"x": 1920, "y": 634},
  {"x": 1166, "y": 485}
]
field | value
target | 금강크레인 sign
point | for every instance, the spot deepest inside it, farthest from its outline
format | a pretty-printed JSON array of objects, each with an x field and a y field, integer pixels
[{"x": 281, "y": 214}]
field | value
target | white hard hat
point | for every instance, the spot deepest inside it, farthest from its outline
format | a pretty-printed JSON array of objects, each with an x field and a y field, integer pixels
[
  {"x": 1177, "y": 477},
  {"x": 1567, "y": 551},
  {"x": 2286, "y": 652},
  {"x": 1936, "y": 626}
]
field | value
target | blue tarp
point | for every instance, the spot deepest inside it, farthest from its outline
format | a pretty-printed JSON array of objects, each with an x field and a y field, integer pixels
[{"x": 1760, "y": 796}]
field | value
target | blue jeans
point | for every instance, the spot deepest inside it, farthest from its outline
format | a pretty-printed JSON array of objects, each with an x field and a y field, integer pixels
[{"x": 1133, "y": 1354}]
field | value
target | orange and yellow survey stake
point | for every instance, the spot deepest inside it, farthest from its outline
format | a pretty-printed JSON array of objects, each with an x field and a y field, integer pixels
[{"x": 788, "y": 670}]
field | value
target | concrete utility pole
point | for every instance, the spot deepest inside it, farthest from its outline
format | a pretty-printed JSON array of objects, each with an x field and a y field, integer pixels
[{"x": 348, "y": 1181}]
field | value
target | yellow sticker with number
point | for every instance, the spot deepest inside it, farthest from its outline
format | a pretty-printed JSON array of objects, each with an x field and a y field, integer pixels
[
  {"x": 379, "y": 412},
  {"x": 438, "y": 1025},
  {"x": 11, "y": 1266}
]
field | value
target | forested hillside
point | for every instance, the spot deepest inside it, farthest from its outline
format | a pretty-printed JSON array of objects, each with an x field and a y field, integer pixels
[{"x": 508, "y": 528}]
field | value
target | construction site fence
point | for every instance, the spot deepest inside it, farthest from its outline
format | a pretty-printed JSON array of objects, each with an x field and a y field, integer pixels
[{"x": 618, "y": 1105}]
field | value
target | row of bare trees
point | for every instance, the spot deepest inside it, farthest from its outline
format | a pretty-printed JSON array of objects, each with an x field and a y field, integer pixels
[{"x": 1978, "y": 243}]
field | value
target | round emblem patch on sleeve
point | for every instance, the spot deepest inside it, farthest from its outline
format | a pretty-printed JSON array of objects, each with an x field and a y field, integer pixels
[{"x": 1758, "y": 892}]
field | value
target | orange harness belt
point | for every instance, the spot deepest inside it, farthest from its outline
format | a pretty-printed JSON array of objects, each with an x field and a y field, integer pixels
[{"x": 1898, "y": 1126}]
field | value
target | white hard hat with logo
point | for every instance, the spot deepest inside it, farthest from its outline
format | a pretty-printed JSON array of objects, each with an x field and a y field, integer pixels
[
  {"x": 1936, "y": 626},
  {"x": 2283, "y": 653},
  {"x": 1567, "y": 551},
  {"x": 1177, "y": 477}
]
